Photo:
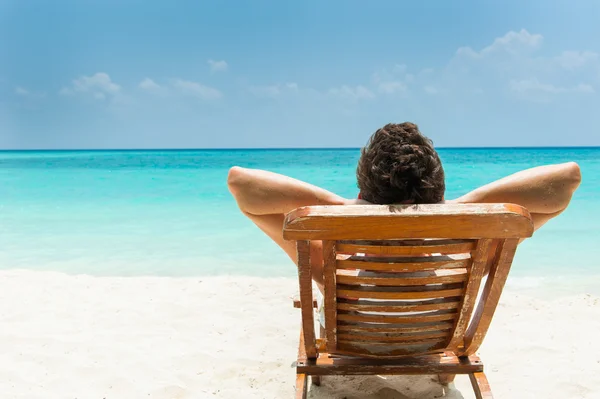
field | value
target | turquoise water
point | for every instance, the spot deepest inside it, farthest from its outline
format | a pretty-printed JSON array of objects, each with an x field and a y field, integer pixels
[{"x": 169, "y": 212}]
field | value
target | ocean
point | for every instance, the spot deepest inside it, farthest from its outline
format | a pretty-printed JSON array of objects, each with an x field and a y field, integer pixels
[{"x": 169, "y": 213}]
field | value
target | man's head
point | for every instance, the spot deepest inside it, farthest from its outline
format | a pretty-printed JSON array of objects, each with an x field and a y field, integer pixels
[{"x": 400, "y": 165}]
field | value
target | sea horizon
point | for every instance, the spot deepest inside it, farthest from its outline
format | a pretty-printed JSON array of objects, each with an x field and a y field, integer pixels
[
  {"x": 168, "y": 212},
  {"x": 282, "y": 149}
]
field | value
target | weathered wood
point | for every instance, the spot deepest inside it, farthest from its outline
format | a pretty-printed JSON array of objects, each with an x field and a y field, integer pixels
[
  {"x": 404, "y": 274},
  {"x": 480, "y": 386},
  {"x": 316, "y": 379},
  {"x": 298, "y": 305},
  {"x": 301, "y": 347},
  {"x": 389, "y": 222},
  {"x": 439, "y": 315},
  {"x": 365, "y": 305},
  {"x": 301, "y": 386},
  {"x": 404, "y": 280},
  {"x": 400, "y": 281},
  {"x": 404, "y": 264},
  {"x": 353, "y": 327},
  {"x": 490, "y": 296},
  {"x": 406, "y": 247},
  {"x": 398, "y": 338},
  {"x": 417, "y": 292},
  {"x": 437, "y": 363},
  {"x": 329, "y": 277},
  {"x": 390, "y": 350},
  {"x": 471, "y": 290},
  {"x": 306, "y": 299}
]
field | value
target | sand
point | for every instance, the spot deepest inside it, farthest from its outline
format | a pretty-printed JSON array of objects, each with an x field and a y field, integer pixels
[{"x": 84, "y": 337}]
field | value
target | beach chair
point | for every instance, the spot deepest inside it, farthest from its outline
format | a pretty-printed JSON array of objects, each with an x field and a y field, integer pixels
[{"x": 401, "y": 287}]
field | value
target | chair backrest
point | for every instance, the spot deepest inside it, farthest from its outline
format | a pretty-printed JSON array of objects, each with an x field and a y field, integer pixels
[{"x": 403, "y": 280}]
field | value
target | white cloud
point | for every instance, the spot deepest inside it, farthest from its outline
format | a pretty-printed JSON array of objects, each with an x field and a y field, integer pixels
[
  {"x": 430, "y": 89},
  {"x": 391, "y": 87},
  {"x": 512, "y": 43},
  {"x": 149, "y": 84},
  {"x": 98, "y": 85},
  {"x": 528, "y": 85},
  {"x": 218, "y": 66},
  {"x": 25, "y": 93},
  {"x": 195, "y": 89},
  {"x": 512, "y": 62},
  {"x": 352, "y": 93},
  {"x": 534, "y": 90},
  {"x": 571, "y": 60},
  {"x": 584, "y": 88},
  {"x": 393, "y": 81}
]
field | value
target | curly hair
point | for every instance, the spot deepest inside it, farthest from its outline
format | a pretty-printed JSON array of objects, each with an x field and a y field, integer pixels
[{"x": 400, "y": 165}]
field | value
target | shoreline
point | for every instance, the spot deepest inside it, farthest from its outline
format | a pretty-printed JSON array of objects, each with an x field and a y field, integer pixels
[{"x": 233, "y": 336}]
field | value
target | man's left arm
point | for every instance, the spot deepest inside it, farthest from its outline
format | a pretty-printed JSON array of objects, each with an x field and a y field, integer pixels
[{"x": 545, "y": 191}]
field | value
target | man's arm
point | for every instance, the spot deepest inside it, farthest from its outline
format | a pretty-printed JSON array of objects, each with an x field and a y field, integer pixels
[
  {"x": 545, "y": 190},
  {"x": 265, "y": 197}
]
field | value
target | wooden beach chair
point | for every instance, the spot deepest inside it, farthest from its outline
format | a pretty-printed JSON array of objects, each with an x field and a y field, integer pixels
[{"x": 401, "y": 287}]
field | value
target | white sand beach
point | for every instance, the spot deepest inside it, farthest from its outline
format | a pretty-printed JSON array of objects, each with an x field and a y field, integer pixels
[{"x": 86, "y": 337}]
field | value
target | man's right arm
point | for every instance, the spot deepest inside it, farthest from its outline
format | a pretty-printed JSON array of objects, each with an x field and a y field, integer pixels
[{"x": 265, "y": 197}]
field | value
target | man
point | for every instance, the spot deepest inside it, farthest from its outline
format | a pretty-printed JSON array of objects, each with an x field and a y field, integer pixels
[{"x": 397, "y": 166}]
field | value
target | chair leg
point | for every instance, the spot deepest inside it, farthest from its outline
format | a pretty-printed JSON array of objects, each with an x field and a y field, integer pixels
[
  {"x": 316, "y": 379},
  {"x": 446, "y": 379},
  {"x": 301, "y": 386},
  {"x": 480, "y": 386}
]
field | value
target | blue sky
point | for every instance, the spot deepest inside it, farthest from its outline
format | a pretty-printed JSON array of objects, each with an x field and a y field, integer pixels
[{"x": 203, "y": 74}]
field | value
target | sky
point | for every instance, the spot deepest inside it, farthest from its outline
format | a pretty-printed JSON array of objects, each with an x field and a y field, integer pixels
[{"x": 87, "y": 74}]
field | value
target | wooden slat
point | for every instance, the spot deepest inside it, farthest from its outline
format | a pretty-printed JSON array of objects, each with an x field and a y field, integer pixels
[
  {"x": 298, "y": 305},
  {"x": 306, "y": 299},
  {"x": 415, "y": 273},
  {"x": 393, "y": 337},
  {"x": 356, "y": 327},
  {"x": 490, "y": 296},
  {"x": 406, "y": 247},
  {"x": 440, "y": 315},
  {"x": 416, "y": 292},
  {"x": 301, "y": 386},
  {"x": 471, "y": 289},
  {"x": 397, "y": 306},
  {"x": 329, "y": 278},
  {"x": 481, "y": 387},
  {"x": 301, "y": 378},
  {"x": 400, "y": 281},
  {"x": 393, "y": 342},
  {"x": 404, "y": 264},
  {"x": 387, "y": 349},
  {"x": 428, "y": 364},
  {"x": 389, "y": 222}
]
